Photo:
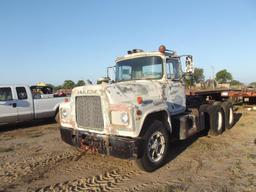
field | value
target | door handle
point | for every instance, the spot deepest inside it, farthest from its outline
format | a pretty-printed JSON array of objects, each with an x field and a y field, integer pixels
[{"x": 14, "y": 105}]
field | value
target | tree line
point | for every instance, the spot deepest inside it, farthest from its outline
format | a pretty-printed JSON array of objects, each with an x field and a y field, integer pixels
[
  {"x": 222, "y": 76},
  {"x": 68, "y": 84}
]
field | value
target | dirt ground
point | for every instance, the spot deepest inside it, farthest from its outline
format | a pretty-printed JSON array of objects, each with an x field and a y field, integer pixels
[{"x": 33, "y": 158}]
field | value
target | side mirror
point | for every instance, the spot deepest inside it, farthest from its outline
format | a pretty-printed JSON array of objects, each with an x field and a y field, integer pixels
[
  {"x": 189, "y": 64},
  {"x": 111, "y": 72}
]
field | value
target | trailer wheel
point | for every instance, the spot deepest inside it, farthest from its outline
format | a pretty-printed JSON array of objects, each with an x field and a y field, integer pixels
[
  {"x": 230, "y": 115},
  {"x": 216, "y": 119},
  {"x": 224, "y": 107},
  {"x": 155, "y": 149}
]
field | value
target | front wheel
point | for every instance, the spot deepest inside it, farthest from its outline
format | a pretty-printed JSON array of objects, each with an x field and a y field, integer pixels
[{"x": 155, "y": 149}]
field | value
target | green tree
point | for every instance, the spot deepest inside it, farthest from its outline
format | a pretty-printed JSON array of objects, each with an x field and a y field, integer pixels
[
  {"x": 58, "y": 87},
  {"x": 198, "y": 75},
  {"x": 223, "y": 76},
  {"x": 235, "y": 82},
  {"x": 253, "y": 84},
  {"x": 50, "y": 85},
  {"x": 80, "y": 83},
  {"x": 189, "y": 80},
  {"x": 68, "y": 84}
]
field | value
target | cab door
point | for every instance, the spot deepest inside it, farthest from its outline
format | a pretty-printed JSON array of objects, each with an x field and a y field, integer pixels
[
  {"x": 8, "y": 106},
  {"x": 175, "y": 89},
  {"x": 24, "y": 103}
]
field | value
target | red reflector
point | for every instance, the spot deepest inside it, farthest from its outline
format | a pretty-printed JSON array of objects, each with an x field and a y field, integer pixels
[{"x": 139, "y": 100}]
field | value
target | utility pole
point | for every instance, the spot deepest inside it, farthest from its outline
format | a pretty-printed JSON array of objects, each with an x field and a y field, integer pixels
[{"x": 213, "y": 77}]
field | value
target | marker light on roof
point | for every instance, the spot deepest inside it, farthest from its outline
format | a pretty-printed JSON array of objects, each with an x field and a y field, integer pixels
[{"x": 162, "y": 49}]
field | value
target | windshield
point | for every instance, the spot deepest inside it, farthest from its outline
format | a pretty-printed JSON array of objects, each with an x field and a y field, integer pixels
[{"x": 139, "y": 68}]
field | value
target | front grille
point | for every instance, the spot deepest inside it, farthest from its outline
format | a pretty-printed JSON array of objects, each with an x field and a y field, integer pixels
[{"x": 89, "y": 112}]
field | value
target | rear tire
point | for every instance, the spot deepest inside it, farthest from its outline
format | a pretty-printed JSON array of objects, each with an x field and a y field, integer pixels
[
  {"x": 230, "y": 115},
  {"x": 155, "y": 148},
  {"x": 216, "y": 120}
]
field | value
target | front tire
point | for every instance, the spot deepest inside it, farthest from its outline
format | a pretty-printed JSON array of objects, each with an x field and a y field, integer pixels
[{"x": 155, "y": 149}]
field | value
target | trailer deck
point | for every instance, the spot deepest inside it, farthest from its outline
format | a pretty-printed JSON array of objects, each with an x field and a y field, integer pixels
[{"x": 234, "y": 95}]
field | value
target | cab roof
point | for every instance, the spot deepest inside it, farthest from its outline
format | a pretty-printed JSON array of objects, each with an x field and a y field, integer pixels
[{"x": 144, "y": 54}]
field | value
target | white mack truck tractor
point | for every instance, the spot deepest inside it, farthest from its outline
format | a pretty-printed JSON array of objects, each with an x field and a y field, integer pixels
[{"x": 138, "y": 114}]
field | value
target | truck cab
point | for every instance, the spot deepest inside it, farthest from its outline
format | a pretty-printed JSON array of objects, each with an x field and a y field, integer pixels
[
  {"x": 15, "y": 104},
  {"x": 137, "y": 114},
  {"x": 145, "y": 69}
]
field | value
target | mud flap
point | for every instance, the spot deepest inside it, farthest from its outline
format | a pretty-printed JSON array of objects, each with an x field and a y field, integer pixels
[
  {"x": 202, "y": 111},
  {"x": 211, "y": 121}
]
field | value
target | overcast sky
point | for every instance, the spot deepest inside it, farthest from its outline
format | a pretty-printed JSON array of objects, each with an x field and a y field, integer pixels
[{"x": 54, "y": 40}]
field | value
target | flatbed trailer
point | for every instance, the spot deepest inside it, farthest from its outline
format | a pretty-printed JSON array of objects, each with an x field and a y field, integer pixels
[
  {"x": 245, "y": 96},
  {"x": 233, "y": 95}
]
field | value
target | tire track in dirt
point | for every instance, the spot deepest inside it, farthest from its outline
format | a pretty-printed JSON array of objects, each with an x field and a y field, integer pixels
[
  {"x": 168, "y": 183},
  {"x": 89, "y": 164},
  {"x": 157, "y": 186},
  {"x": 103, "y": 182},
  {"x": 11, "y": 172}
]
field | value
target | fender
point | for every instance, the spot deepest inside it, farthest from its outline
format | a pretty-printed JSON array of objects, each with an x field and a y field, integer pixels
[
  {"x": 56, "y": 108},
  {"x": 57, "y": 105},
  {"x": 154, "y": 111}
]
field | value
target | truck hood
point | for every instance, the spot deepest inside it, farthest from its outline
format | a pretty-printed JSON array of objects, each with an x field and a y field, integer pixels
[
  {"x": 129, "y": 91},
  {"x": 123, "y": 92}
]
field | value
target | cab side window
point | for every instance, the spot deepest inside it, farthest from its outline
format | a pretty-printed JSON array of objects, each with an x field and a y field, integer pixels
[
  {"x": 173, "y": 70},
  {"x": 21, "y": 92},
  {"x": 5, "y": 94},
  {"x": 170, "y": 73}
]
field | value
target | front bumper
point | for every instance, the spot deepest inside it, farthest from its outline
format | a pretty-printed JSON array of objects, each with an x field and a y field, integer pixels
[{"x": 121, "y": 147}]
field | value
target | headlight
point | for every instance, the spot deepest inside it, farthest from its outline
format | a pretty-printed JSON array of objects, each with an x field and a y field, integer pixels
[
  {"x": 64, "y": 113},
  {"x": 119, "y": 118},
  {"x": 124, "y": 118}
]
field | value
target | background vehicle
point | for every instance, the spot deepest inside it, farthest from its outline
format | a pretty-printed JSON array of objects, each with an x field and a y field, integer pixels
[
  {"x": 146, "y": 107},
  {"x": 18, "y": 103}
]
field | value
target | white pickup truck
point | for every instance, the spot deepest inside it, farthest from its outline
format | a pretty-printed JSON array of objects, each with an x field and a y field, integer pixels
[{"x": 19, "y": 104}]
